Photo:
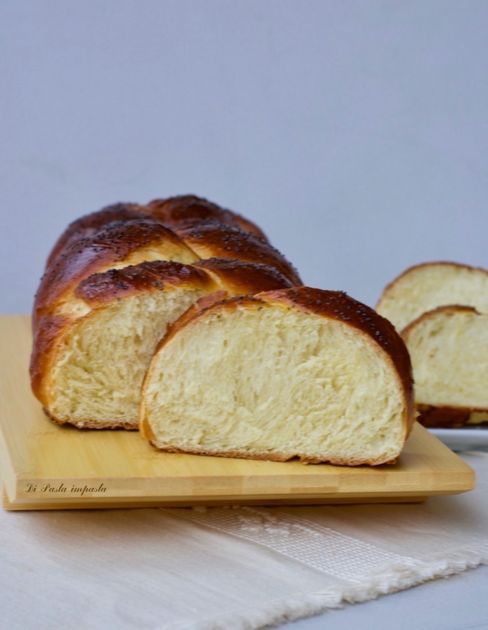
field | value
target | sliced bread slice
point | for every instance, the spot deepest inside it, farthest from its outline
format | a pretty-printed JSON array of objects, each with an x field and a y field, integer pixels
[
  {"x": 449, "y": 351},
  {"x": 88, "y": 363},
  {"x": 426, "y": 286},
  {"x": 300, "y": 373}
]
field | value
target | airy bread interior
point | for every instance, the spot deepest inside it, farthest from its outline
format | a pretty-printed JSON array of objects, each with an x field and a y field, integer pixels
[
  {"x": 425, "y": 287},
  {"x": 274, "y": 383},
  {"x": 99, "y": 366},
  {"x": 449, "y": 351}
]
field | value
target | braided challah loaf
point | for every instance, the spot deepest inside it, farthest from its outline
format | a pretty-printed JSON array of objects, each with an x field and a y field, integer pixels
[
  {"x": 244, "y": 360},
  {"x": 113, "y": 283}
]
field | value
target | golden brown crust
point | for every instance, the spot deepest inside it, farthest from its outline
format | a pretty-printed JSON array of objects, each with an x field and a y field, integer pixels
[
  {"x": 448, "y": 417},
  {"x": 155, "y": 275},
  {"x": 214, "y": 240},
  {"x": 233, "y": 276},
  {"x": 244, "y": 277},
  {"x": 89, "y": 224},
  {"x": 182, "y": 210},
  {"x": 433, "y": 263},
  {"x": 110, "y": 245},
  {"x": 187, "y": 210}
]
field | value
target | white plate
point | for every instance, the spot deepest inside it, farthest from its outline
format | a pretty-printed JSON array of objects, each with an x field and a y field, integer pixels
[{"x": 463, "y": 439}]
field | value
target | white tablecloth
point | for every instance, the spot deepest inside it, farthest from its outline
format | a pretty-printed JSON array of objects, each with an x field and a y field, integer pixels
[{"x": 228, "y": 567}]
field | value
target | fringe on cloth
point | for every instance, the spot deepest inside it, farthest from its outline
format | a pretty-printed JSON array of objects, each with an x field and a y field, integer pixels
[{"x": 394, "y": 579}]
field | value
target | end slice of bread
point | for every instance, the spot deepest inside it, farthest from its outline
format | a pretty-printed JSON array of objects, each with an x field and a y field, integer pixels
[
  {"x": 298, "y": 373},
  {"x": 426, "y": 286},
  {"x": 449, "y": 350}
]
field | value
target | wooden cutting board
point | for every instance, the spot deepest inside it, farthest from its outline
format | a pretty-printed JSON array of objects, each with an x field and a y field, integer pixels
[{"x": 45, "y": 466}]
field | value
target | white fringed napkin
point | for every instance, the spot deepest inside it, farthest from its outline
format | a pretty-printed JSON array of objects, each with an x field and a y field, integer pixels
[{"x": 228, "y": 567}]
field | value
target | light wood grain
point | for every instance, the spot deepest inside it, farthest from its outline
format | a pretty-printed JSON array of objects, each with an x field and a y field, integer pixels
[{"x": 45, "y": 466}]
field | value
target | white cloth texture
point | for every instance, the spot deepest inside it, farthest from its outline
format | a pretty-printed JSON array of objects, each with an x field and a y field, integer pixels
[{"x": 235, "y": 567}]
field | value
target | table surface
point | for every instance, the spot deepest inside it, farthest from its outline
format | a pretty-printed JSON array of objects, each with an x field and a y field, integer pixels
[{"x": 456, "y": 603}]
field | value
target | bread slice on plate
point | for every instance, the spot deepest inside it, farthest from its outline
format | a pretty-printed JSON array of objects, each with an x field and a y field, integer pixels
[
  {"x": 449, "y": 351},
  {"x": 426, "y": 286},
  {"x": 297, "y": 373},
  {"x": 89, "y": 359}
]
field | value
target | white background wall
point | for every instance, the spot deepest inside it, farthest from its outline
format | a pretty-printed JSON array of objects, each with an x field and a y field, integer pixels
[{"x": 354, "y": 132}]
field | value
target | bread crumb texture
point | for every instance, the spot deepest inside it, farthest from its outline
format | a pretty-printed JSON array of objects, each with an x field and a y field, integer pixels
[
  {"x": 101, "y": 362},
  {"x": 275, "y": 382},
  {"x": 449, "y": 352}
]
